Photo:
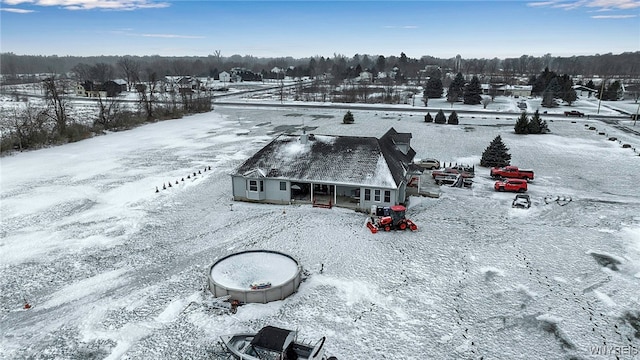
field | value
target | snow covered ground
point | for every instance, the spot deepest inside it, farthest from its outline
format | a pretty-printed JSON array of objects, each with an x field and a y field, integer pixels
[{"x": 114, "y": 270}]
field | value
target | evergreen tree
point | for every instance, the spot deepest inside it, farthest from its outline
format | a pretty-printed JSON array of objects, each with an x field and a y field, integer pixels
[
  {"x": 456, "y": 88},
  {"x": 472, "y": 92},
  {"x": 542, "y": 82},
  {"x": 434, "y": 88},
  {"x": 348, "y": 118},
  {"x": 496, "y": 154},
  {"x": 440, "y": 118},
  {"x": 537, "y": 125},
  {"x": 428, "y": 118},
  {"x": 534, "y": 124},
  {"x": 453, "y": 118},
  {"x": 544, "y": 128},
  {"x": 567, "y": 93},
  {"x": 611, "y": 93},
  {"x": 522, "y": 124},
  {"x": 550, "y": 93}
]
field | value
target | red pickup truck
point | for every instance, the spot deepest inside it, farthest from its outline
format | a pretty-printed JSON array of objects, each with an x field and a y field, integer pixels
[{"x": 512, "y": 172}]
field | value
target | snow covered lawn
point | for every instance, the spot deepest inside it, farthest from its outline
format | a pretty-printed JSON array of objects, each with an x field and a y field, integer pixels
[{"x": 113, "y": 269}]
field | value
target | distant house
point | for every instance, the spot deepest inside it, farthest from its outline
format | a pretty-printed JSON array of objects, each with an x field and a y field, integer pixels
[
  {"x": 507, "y": 90},
  {"x": 345, "y": 171},
  {"x": 91, "y": 90},
  {"x": 114, "y": 87},
  {"x": 188, "y": 82},
  {"x": 365, "y": 76},
  {"x": 242, "y": 74},
  {"x": 225, "y": 76},
  {"x": 107, "y": 89}
]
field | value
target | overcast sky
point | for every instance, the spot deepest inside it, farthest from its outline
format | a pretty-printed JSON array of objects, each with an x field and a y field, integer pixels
[{"x": 308, "y": 28}]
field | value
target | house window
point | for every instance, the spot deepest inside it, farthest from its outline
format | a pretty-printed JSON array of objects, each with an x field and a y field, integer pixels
[
  {"x": 387, "y": 196},
  {"x": 253, "y": 185},
  {"x": 367, "y": 194},
  {"x": 283, "y": 185},
  {"x": 261, "y": 186},
  {"x": 376, "y": 195}
]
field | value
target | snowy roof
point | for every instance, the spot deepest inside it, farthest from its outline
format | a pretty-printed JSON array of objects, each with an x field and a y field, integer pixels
[{"x": 333, "y": 159}]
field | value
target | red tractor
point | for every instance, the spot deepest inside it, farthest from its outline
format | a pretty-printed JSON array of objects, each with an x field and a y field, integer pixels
[{"x": 395, "y": 221}]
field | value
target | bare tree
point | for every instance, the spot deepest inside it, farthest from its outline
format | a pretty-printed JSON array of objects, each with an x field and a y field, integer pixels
[
  {"x": 147, "y": 94},
  {"x": 486, "y": 100},
  {"x": 28, "y": 127},
  {"x": 57, "y": 103},
  {"x": 109, "y": 110},
  {"x": 131, "y": 69},
  {"x": 102, "y": 72},
  {"x": 82, "y": 71}
]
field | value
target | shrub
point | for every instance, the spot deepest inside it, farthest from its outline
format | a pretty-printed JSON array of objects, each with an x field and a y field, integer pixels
[
  {"x": 453, "y": 118},
  {"x": 428, "y": 118},
  {"x": 440, "y": 118},
  {"x": 348, "y": 118}
]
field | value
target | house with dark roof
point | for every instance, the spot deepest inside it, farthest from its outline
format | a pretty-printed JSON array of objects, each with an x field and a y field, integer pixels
[{"x": 345, "y": 171}]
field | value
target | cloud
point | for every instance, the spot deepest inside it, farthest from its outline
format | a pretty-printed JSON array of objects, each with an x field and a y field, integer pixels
[
  {"x": 17, "y": 11},
  {"x": 601, "y": 4},
  {"x": 93, "y": 4},
  {"x": 613, "y": 16},
  {"x": 17, "y": 2},
  {"x": 541, "y": 3}
]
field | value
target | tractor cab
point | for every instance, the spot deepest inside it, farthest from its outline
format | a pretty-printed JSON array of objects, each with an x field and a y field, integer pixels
[{"x": 397, "y": 214}]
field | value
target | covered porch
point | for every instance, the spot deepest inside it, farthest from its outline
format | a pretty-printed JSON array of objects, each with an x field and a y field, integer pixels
[{"x": 325, "y": 195}]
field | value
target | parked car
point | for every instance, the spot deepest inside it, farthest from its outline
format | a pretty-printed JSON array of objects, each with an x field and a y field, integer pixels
[
  {"x": 511, "y": 185},
  {"x": 522, "y": 201},
  {"x": 573, "y": 113},
  {"x": 428, "y": 163}
]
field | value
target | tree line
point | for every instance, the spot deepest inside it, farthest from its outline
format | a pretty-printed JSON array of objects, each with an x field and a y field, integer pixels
[
  {"x": 624, "y": 65},
  {"x": 33, "y": 124}
]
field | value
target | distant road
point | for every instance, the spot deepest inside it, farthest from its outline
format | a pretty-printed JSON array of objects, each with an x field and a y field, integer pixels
[{"x": 416, "y": 109}]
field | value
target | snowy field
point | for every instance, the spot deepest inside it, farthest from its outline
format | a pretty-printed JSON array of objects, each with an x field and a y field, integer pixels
[{"x": 114, "y": 270}]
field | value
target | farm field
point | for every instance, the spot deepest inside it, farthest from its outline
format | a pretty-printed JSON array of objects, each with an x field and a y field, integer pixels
[{"x": 113, "y": 269}]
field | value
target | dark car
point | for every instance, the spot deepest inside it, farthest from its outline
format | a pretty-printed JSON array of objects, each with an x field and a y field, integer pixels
[{"x": 573, "y": 113}]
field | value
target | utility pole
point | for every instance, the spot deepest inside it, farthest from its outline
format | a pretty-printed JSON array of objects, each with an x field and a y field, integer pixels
[
  {"x": 601, "y": 91},
  {"x": 636, "y": 117}
]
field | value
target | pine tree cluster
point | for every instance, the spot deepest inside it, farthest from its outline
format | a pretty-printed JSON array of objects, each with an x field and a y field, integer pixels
[
  {"x": 534, "y": 125},
  {"x": 552, "y": 86},
  {"x": 496, "y": 154}
]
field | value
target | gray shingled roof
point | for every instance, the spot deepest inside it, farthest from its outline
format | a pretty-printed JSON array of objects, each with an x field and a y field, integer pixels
[{"x": 332, "y": 159}]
